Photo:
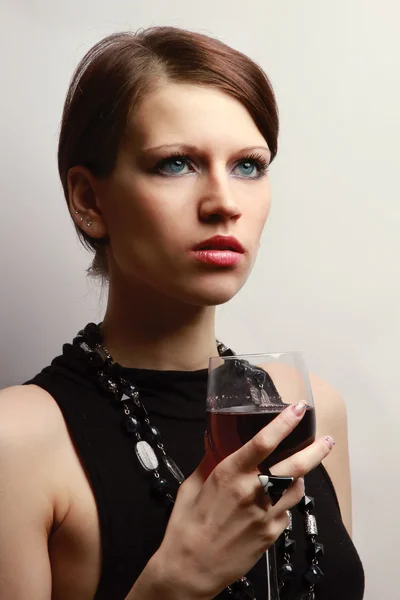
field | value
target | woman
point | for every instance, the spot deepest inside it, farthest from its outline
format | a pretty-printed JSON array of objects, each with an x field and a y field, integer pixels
[{"x": 165, "y": 144}]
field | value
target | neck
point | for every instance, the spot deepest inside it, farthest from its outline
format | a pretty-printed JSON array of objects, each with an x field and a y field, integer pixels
[{"x": 146, "y": 330}]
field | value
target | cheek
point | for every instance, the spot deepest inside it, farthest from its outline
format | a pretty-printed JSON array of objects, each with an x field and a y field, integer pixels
[
  {"x": 259, "y": 218},
  {"x": 258, "y": 203},
  {"x": 127, "y": 210},
  {"x": 141, "y": 221},
  {"x": 154, "y": 201},
  {"x": 265, "y": 213}
]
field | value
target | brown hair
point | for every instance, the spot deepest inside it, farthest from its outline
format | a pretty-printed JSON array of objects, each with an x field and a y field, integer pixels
[{"x": 122, "y": 69}]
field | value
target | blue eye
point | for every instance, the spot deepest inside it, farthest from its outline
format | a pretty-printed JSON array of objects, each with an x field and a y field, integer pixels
[
  {"x": 175, "y": 165},
  {"x": 248, "y": 168},
  {"x": 251, "y": 168}
]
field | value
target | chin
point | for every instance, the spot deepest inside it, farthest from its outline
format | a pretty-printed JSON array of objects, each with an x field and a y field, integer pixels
[{"x": 211, "y": 293}]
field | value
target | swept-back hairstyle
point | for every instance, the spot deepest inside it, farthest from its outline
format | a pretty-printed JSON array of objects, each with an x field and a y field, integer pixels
[{"x": 120, "y": 70}]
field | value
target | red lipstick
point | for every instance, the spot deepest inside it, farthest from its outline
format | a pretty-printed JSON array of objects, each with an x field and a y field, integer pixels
[{"x": 220, "y": 250}]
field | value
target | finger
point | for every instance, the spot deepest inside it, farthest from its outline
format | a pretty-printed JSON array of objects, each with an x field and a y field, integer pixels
[
  {"x": 209, "y": 462},
  {"x": 291, "y": 497},
  {"x": 275, "y": 528},
  {"x": 265, "y": 441},
  {"x": 192, "y": 486},
  {"x": 304, "y": 461}
]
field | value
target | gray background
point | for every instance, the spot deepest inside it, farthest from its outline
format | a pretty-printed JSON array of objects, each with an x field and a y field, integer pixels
[{"x": 327, "y": 279}]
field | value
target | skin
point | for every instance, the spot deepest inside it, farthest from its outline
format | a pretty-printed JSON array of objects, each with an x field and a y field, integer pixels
[{"x": 160, "y": 315}]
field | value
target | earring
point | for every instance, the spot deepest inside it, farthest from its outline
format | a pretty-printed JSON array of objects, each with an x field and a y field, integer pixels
[{"x": 88, "y": 223}]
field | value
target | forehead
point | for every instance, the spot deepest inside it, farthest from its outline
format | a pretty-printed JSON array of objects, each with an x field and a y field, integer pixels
[{"x": 198, "y": 115}]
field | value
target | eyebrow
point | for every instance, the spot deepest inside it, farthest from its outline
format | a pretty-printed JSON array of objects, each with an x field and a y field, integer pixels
[{"x": 188, "y": 148}]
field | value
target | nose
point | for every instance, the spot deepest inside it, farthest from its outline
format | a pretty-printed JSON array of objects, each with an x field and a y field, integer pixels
[{"x": 217, "y": 202}]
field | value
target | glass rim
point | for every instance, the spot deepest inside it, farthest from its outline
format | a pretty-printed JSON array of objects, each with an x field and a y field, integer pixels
[{"x": 258, "y": 354}]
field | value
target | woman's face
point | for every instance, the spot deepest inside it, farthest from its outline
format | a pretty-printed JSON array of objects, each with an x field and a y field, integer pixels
[{"x": 193, "y": 167}]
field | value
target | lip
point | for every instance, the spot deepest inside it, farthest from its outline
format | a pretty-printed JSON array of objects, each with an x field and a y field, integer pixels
[
  {"x": 220, "y": 251},
  {"x": 222, "y": 243}
]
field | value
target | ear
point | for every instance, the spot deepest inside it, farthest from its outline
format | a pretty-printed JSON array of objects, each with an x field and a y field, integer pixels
[{"x": 83, "y": 202}]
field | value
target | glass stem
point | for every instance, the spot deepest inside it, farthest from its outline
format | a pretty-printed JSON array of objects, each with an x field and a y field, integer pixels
[{"x": 272, "y": 574}]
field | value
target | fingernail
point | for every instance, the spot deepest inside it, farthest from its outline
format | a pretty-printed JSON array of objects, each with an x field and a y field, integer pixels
[
  {"x": 299, "y": 408},
  {"x": 330, "y": 441}
]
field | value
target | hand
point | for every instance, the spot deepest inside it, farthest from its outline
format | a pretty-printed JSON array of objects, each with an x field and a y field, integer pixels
[{"x": 222, "y": 521}]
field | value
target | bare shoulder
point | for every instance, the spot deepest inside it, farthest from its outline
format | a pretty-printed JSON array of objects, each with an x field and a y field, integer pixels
[
  {"x": 29, "y": 489},
  {"x": 32, "y": 441},
  {"x": 330, "y": 406},
  {"x": 331, "y": 416},
  {"x": 332, "y": 420},
  {"x": 289, "y": 382},
  {"x": 50, "y": 542},
  {"x": 27, "y": 410},
  {"x": 30, "y": 420}
]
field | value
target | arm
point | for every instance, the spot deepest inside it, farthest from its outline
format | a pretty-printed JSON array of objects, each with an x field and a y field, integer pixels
[
  {"x": 154, "y": 584},
  {"x": 26, "y": 510},
  {"x": 33, "y": 501},
  {"x": 332, "y": 420}
]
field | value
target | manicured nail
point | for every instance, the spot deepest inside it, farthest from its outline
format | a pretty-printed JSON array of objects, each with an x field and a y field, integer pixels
[
  {"x": 330, "y": 441},
  {"x": 299, "y": 408}
]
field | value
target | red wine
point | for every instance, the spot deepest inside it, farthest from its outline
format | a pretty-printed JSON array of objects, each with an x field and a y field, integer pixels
[{"x": 230, "y": 428}]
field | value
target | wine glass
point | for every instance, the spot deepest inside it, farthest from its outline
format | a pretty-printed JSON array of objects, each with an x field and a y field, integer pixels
[{"x": 245, "y": 393}]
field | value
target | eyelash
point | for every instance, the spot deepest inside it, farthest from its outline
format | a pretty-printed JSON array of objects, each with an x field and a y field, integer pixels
[{"x": 258, "y": 159}]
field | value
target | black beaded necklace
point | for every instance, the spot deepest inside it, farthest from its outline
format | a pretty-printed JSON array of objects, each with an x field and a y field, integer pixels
[{"x": 149, "y": 450}]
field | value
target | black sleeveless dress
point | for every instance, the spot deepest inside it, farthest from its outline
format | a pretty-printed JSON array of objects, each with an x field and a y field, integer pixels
[{"x": 132, "y": 522}]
